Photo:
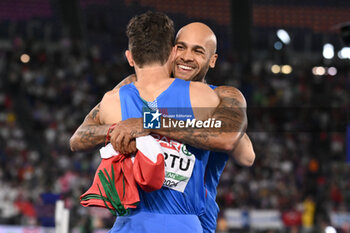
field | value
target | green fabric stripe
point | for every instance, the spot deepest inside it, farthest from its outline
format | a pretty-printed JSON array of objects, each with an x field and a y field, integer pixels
[
  {"x": 111, "y": 194},
  {"x": 93, "y": 196},
  {"x": 103, "y": 198},
  {"x": 175, "y": 176},
  {"x": 110, "y": 190},
  {"x": 114, "y": 193}
]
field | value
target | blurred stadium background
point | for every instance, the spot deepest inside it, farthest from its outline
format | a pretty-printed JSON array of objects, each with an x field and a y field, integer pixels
[{"x": 289, "y": 58}]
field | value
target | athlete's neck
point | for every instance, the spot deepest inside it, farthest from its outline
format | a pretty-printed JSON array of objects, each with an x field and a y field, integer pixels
[
  {"x": 151, "y": 74},
  {"x": 152, "y": 81}
]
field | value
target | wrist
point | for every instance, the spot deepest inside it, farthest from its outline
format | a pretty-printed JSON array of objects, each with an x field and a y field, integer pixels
[
  {"x": 109, "y": 131},
  {"x": 142, "y": 131}
]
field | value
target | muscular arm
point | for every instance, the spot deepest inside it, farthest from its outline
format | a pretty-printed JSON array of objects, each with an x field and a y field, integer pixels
[
  {"x": 242, "y": 149},
  {"x": 232, "y": 138},
  {"x": 231, "y": 111},
  {"x": 91, "y": 133},
  {"x": 244, "y": 153}
]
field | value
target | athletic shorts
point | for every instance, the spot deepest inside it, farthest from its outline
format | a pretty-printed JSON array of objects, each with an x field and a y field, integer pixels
[{"x": 146, "y": 222}]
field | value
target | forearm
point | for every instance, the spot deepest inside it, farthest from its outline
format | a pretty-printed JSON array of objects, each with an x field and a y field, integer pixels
[
  {"x": 88, "y": 136},
  {"x": 244, "y": 153},
  {"x": 233, "y": 120},
  {"x": 91, "y": 133},
  {"x": 212, "y": 139}
]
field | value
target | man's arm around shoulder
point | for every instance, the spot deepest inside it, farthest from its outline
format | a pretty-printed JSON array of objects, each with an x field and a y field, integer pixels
[
  {"x": 94, "y": 129},
  {"x": 91, "y": 133},
  {"x": 234, "y": 106}
]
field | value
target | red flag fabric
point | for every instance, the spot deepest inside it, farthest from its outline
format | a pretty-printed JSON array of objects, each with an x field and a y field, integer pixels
[{"x": 114, "y": 185}]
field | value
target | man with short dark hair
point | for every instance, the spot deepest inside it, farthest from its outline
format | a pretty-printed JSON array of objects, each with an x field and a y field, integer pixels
[{"x": 144, "y": 38}]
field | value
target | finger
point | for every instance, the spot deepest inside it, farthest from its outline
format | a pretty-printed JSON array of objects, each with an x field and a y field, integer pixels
[
  {"x": 132, "y": 147},
  {"x": 126, "y": 142},
  {"x": 113, "y": 136},
  {"x": 116, "y": 143},
  {"x": 122, "y": 144}
]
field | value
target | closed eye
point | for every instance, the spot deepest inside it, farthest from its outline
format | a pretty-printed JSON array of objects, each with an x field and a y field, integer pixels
[
  {"x": 199, "y": 51},
  {"x": 180, "y": 47}
]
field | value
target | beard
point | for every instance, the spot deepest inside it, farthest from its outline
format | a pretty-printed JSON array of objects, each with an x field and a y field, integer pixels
[{"x": 200, "y": 76}]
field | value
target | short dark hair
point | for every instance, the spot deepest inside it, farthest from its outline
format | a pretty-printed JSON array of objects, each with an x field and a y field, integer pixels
[{"x": 151, "y": 38}]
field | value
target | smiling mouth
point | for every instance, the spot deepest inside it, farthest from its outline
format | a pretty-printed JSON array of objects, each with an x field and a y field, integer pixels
[{"x": 184, "y": 67}]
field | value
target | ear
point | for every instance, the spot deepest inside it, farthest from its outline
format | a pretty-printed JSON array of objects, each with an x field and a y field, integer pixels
[
  {"x": 172, "y": 54},
  {"x": 128, "y": 56},
  {"x": 213, "y": 59}
]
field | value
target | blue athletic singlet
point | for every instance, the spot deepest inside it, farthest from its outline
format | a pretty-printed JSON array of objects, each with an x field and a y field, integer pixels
[
  {"x": 165, "y": 210},
  {"x": 214, "y": 169}
]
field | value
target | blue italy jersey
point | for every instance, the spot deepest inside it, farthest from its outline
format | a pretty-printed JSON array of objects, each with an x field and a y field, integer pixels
[
  {"x": 166, "y": 210},
  {"x": 214, "y": 169}
]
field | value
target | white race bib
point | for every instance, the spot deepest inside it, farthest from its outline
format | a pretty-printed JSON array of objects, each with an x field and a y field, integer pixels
[{"x": 179, "y": 163}]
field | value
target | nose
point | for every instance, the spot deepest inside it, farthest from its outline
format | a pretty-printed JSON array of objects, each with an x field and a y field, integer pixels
[{"x": 187, "y": 55}]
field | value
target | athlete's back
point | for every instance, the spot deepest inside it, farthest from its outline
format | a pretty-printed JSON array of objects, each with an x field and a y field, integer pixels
[{"x": 169, "y": 206}]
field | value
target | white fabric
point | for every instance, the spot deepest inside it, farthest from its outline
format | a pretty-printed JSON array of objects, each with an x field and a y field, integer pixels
[
  {"x": 149, "y": 147},
  {"x": 108, "y": 151},
  {"x": 146, "y": 144}
]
